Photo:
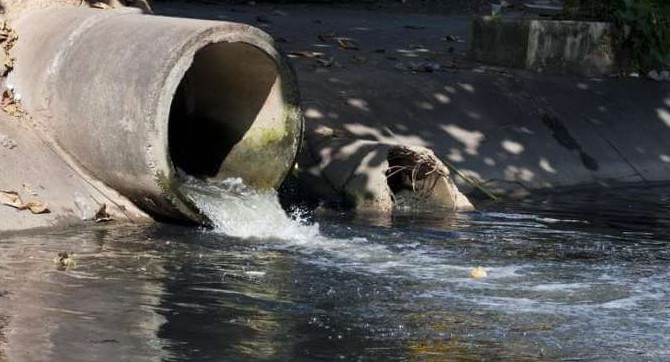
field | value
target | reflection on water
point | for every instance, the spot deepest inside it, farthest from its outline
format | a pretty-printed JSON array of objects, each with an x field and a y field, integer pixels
[{"x": 577, "y": 275}]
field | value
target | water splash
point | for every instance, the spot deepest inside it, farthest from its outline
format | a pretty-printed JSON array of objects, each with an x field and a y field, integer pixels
[{"x": 241, "y": 211}]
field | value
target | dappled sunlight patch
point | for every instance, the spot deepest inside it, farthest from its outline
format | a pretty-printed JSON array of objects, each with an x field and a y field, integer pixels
[
  {"x": 474, "y": 115},
  {"x": 425, "y": 105},
  {"x": 455, "y": 155},
  {"x": 512, "y": 147},
  {"x": 467, "y": 87},
  {"x": 442, "y": 98},
  {"x": 515, "y": 173},
  {"x": 313, "y": 113},
  {"x": 470, "y": 139},
  {"x": 545, "y": 165},
  {"x": 664, "y": 115},
  {"x": 358, "y": 103}
]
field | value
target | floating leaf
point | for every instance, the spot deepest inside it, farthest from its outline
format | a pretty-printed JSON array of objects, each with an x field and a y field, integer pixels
[{"x": 65, "y": 259}]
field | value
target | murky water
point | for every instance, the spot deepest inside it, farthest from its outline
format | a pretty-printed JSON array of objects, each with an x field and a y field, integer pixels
[{"x": 570, "y": 276}]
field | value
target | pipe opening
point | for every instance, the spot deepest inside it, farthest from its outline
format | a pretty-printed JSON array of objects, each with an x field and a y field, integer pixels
[{"x": 229, "y": 88}]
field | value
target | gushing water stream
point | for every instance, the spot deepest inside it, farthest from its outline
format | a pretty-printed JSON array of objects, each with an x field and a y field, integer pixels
[{"x": 240, "y": 211}]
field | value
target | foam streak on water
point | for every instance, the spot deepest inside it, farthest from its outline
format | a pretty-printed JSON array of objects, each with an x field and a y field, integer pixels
[{"x": 240, "y": 211}]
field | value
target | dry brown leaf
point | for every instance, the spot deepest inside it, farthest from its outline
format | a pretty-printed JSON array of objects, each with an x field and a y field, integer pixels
[
  {"x": 36, "y": 207},
  {"x": 100, "y": 5},
  {"x": 11, "y": 198},
  {"x": 101, "y": 215},
  {"x": 347, "y": 44}
]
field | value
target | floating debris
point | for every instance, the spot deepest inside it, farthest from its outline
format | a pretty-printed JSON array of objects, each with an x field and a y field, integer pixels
[
  {"x": 414, "y": 27},
  {"x": 478, "y": 272},
  {"x": 65, "y": 260},
  {"x": 101, "y": 215}
]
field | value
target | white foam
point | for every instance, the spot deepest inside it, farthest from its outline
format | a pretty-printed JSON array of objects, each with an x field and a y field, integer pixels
[{"x": 240, "y": 211}]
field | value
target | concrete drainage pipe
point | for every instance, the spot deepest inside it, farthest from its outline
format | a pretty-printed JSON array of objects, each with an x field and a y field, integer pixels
[{"x": 132, "y": 98}]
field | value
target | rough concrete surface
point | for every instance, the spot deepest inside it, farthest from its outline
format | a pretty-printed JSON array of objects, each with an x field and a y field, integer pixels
[
  {"x": 213, "y": 99},
  {"x": 546, "y": 46},
  {"x": 405, "y": 79},
  {"x": 410, "y": 82},
  {"x": 37, "y": 171}
]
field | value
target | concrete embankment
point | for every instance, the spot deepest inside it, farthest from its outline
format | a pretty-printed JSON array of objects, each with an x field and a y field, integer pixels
[
  {"x": 405, "y": 79},
  {"x": 143, "y": 112},
  {"x": 409, "y": 81}
]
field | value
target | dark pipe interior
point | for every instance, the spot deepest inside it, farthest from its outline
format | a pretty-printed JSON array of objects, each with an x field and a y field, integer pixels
[{"x": 216, "y": 103}]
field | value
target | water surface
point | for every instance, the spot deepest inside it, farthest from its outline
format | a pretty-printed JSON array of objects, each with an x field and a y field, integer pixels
[{"x": 570, "y": 276}]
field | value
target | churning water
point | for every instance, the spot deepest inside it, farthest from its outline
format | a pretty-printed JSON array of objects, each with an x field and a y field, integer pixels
[{"x": 570, "y": 276}]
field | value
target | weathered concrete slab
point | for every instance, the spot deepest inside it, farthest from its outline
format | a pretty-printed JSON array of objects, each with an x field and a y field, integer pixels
[
  {"x": 547, "y": 46},
  {"x": 36, "y": 170},
  {"x": 511, "y": 130}
]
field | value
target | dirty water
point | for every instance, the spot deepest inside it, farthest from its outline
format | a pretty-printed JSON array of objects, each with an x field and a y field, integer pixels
[{"x": 577, "y": 275}]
